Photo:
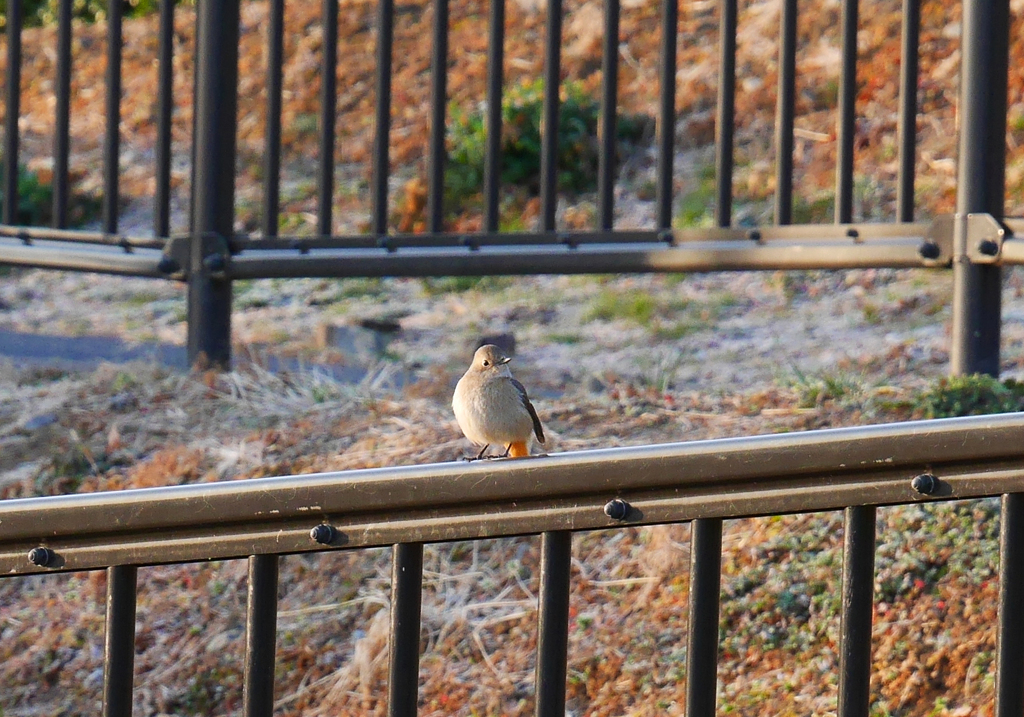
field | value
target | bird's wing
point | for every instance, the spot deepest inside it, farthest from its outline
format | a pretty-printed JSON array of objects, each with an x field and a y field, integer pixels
[{"x": 538, "y": 430}]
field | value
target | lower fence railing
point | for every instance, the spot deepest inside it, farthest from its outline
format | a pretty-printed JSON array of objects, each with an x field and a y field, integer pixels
[{"x": 854, "y": 469}]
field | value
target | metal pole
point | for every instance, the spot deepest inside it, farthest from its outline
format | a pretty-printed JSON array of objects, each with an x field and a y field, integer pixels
[
  {"x": 705, "y": 589},
  {"x": 549, "y": 133},
  {"x": 725, "y": 117},
  {"x": 10, "y": 157},
  {"x": 847, "y": 115},
  {"x": 784, "y": 114},
  {"x": 553, "y": 624},
  {"x": 209, "y": 294},
  {"x": 112, "y": 137},
  {"x": 980, "y": 182},
  {"x": 609, "y": 101},
  {"x": 62, "y": 124},
  {"x": 165, "y": 93},
  {"x": 328, "y": 114},
  {"x": 382, "y": 130},
  {"x": 495, "y": 73},
  {"x": 1009, "y": 636},
  {"x": 272, "y": 145},
  {"x": 857, "y": 610},
  {"x": 260, "y": 636},
  {"x": 667, "y": 110},
  {"x": 438, "y": 104},
  {"x": 908, "y": 110},
  {"x": 404, "y": 665},
  {"x": 119, "y": 649}
]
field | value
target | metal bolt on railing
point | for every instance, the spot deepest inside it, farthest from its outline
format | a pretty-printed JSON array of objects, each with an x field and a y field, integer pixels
[
  {"x": 617, "y": 509},
  {"x": 929, "y": 250},
  {"x": 925, "y": 484},
  {"x": 41, "y": 557},
  {"x": 323, "y": 534},
  {"x": 214, "y": 262},
  {"x": 988, "y": 247}
]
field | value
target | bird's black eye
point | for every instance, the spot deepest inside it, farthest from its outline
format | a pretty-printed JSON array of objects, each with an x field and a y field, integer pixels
[{"x": 486, "y": 363}]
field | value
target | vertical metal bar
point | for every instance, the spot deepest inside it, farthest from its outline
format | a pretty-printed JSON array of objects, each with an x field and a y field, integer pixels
[
  {"x": 1009, "y": 635},
  {"x": 705, "y": 591},
  {"x": 609, "y": 102},
  {"x": 62, "y": 120},
  {"x": 119, "y": 648},
  {"x": 10, "y": 158},
  {"x": 112, "y": 138},
  {"x": 404, "y": 665},
  {"x": 549, "y": 133},
  {"x": 847, "y": 113},
  {"x": 260, "y": 637},
  {"x": 495, "y": 74},
  {"x": 726, "y": 114},
  {"x": 209, "y": 294},
  {"x": 980, "y": 182},
  {"x": 667, "y": 111},
  {"x": 328, "y": 112},
  {"x": 908, "y": 110},
  {"x": 857, "y": 610},
  {"x": 381, "y": 139},
  {"x": 195, "y": 124},
  {"x": 553, "y": 623},
  {"x": 438, "y": 101},
  {"x": 165, "y": 109},
  {"x": 272, "y": 142},
  {"x": 784, "y": 115}
]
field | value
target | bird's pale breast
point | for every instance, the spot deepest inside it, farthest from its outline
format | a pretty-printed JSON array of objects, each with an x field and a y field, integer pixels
[{"x": 492, "y": 412}]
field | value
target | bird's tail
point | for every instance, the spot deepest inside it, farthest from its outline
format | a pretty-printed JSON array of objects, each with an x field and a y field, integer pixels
[{"x": 518, "y": 450}]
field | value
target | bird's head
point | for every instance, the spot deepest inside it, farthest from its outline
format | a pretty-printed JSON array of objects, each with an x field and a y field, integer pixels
[{"x": 490, "y": 359}]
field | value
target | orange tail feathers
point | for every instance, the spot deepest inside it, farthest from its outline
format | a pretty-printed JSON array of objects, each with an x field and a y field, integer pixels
[{"x": 518, "y": 450}]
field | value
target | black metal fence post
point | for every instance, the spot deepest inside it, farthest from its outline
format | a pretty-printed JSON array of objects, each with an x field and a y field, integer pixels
[
  {"x": 112, "y": 134},
  {"x": 213, "y": 193},
  {"x": 784, "y": 114},
  {"x": 976, "y": 289},
  {"x": 165, "y": 110},
  {"x": 705, "y": 593},
  {"x": 1009, "y": 636},
  {"x": 261, "y": 636},
  {"x": 980, "y": 182},
  {"x": 13, "y": 103},
  {"x": 908, "y": 110},
  {"x": 404, "y": 664},
  {"x": 553, "y": 623},
  {"x": 119, "y": 652},
  {"x": 62, "y": 119},
  {"x": 725, "y": 116},
  {"x": 857, "y": 611},
  {"x": 328, "y": 114}
]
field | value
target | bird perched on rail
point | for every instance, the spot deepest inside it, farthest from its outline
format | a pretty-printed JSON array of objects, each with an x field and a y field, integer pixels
[{"x": 492, "y": 407}]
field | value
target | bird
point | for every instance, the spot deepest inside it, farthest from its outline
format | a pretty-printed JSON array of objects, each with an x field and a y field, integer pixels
[{"x": 492, "y": 407}]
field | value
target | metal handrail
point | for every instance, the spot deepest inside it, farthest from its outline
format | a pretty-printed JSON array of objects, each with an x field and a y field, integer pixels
[{"x": 723, "y": 478}]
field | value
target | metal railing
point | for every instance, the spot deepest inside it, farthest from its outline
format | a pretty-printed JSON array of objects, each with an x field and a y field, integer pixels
[
  {"x": 702, "y": 481},
  {"x": 850, "y": 469}
]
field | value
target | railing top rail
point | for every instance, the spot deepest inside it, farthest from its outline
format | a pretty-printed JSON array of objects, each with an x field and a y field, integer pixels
[{"x": 733, "y": 477}]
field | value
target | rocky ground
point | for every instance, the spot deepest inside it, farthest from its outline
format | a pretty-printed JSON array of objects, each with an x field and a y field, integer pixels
[{"x": 609, "y": 361}]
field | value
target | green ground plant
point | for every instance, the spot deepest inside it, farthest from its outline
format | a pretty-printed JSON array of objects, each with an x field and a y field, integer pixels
[
  {"x": 974, "y": 395},
  {"x": 38, "y": 13},
  {"x": 522, "y": 119},
  {"x": 35, "y": 201}
]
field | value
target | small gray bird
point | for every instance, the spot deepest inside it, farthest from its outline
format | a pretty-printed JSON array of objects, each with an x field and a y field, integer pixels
[{"x": 492, "y": 407}]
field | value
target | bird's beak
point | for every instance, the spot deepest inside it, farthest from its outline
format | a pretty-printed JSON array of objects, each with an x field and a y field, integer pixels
[{"x": 505, "y": 359}]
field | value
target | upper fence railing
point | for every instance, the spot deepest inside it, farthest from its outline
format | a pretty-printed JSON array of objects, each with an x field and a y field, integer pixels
[
  {"x": 855, "y": 469},
  {"x": 212, "y": 254}
]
